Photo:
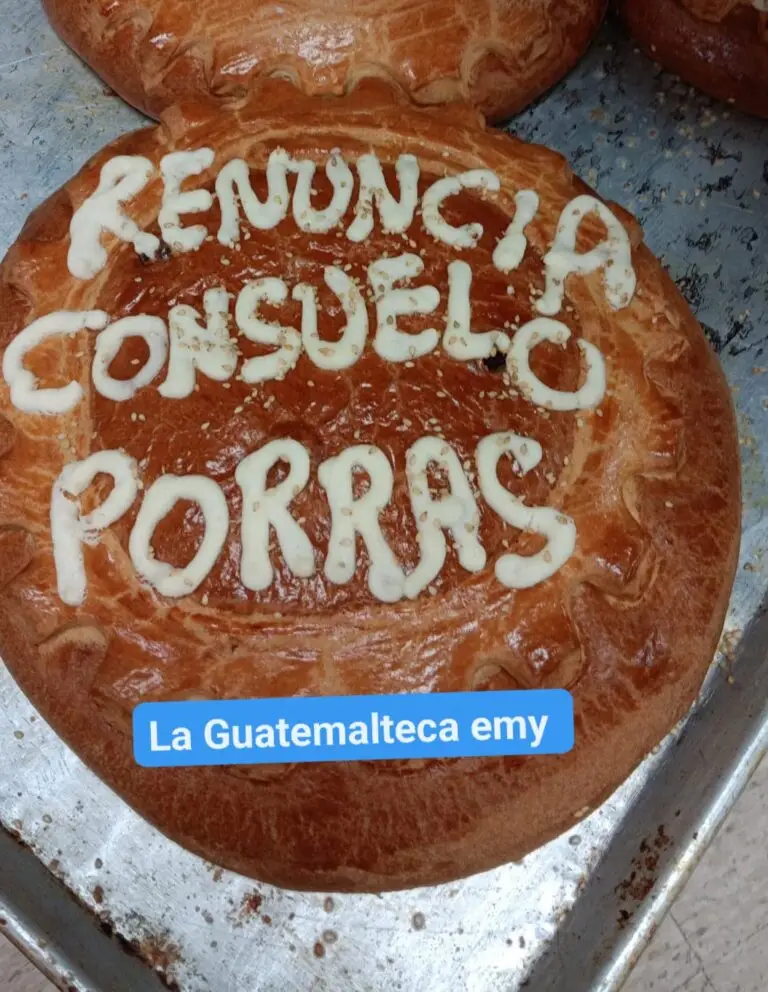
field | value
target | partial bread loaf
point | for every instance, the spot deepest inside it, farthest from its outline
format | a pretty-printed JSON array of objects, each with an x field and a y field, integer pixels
[
  {"x": 497, "y": 54},
  {"x": 720, "y": 46}
]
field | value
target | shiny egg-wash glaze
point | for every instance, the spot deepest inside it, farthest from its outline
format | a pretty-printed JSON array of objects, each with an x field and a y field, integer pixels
[
  {"x": 629, "y": 624},
  {"x": 498, "y": 55}
]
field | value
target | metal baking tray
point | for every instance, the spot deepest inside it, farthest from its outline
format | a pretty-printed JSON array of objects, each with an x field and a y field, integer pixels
[{"x": 103, "y": 903}]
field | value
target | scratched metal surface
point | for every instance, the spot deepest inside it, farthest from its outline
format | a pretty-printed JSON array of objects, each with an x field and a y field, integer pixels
[{"x": 567, "y": 918}]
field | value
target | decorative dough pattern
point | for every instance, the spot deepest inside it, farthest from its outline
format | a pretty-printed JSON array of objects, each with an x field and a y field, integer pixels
[{"x": 498, "y": 55}]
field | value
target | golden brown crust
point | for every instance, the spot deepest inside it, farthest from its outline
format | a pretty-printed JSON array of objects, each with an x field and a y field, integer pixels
[
  {"x": 629, "y": 624},
  {"x": 497, "y": 54},
  {"x": 720, "y": 46}
]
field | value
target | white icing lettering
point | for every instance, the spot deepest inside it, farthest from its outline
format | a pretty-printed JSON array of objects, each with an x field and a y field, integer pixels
[
  {"x": 510, "y": 250},
  {"x": 194, "y": 345},
  {"x": 25, "y": 394},
  {"x": 161, "y": 497},
  {"x": 356, "y": 505},
  {"x": 351, "y": 516},
  {"x": 586, "y": 397},
  {"x": 613, "y": 256},
  {"x": 458, "y": 340},
  {"x": 122, "y": 178},
  {"x": 390, "y": 343},
  {"x": 287, "y": 340},
  {"x": 175, "y": 168},
  {"x": 69, "y": 530},
  {"x": 523, "y": 571},
  {"x": 359, "y": 480},
  {"x": 267, "y": 507},
  {"x": 262, "y": 216},
  {"x": 153, "y": 331},
  {"x": 455, "y": 512},
  {"x": 340, "y": 176},
  {"x": 396, "y": 216},
  {"x": 467, "y": 235},
  {"x": 334, "y": 355}
]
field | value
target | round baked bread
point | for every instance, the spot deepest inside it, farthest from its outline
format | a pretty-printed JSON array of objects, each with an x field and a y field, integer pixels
[
  {"x": 498, "y": 55},
  {"x": 399, "y": 559},
  {"x": 720, "y": 46}
]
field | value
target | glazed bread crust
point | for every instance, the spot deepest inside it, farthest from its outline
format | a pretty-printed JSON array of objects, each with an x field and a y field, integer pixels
[
  {"x": 498, "y": 55},
  {"x": 720, "y": 46},
  {"x": 629, "y": 624}
]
